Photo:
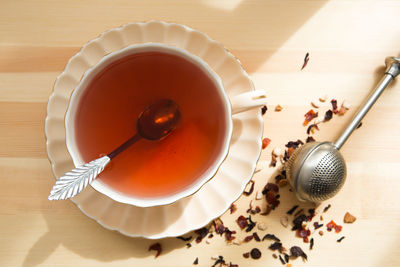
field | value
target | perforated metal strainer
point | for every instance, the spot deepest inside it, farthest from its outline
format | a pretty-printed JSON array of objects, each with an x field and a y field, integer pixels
[{"x": 317, "y": 170}]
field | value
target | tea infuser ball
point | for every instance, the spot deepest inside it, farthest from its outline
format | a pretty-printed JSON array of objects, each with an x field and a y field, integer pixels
[{"x": 317, "y": 170}]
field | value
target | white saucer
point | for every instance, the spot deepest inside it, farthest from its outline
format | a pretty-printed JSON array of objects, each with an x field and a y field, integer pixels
[{"x": 215, "y": 197}]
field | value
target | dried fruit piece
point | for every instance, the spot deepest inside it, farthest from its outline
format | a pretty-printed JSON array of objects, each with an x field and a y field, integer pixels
[
  {"x": 311, "y": 114},
  {"x": 255, "y": 253},
  {"x": 296, "y": 251},
  {"x": 324, "y": 98},
  {"x": 278, "y": 108},
  {"x": 265, "y": 142},
  {"x": 274, "y": 256},
  {"x": 262, "y": 226},
  {"x": 246, "y": 255},
  {"x": 315, "y": 103},
  {"x": 284, "y": 221},
  {"x": 348, "y": 218},
  {"x": 332, "y": 225},
  {"x": 321, "y": 233},
  {"x": 282, "y": 182},
  {"x": 157, "y": 247}
]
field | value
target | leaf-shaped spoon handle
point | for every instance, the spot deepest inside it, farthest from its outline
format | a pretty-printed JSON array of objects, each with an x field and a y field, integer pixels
[{"x": 73, "y": 182}]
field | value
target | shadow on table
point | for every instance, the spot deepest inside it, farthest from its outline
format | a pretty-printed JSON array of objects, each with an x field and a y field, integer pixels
[{"x": 87, "y": 238}]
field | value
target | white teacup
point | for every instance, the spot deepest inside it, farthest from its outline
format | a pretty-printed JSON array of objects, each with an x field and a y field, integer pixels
[{"x": 236, "y": 104}]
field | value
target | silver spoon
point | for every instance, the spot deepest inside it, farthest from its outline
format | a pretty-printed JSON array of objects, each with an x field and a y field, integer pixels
[
  {"x": 317, "y": 170},
  {"x": 154, "y": 123}
]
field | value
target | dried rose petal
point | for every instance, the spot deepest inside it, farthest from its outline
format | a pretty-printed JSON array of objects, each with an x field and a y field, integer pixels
[
  {"x": 242, "y": 222},
  {"x": 311, "y": 114},
  {"x": 270, "y": 187},
  {"x": 256, "y": 237},
  {"x": 202, "y": 232},
  {"x": 348, "y": 218},
  {"x": 276, "y": 246},
  {"x": 157, "y": 247}
]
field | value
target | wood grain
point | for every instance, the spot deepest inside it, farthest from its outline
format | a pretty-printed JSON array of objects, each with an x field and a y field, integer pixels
[{"x": 347, "y": 42}]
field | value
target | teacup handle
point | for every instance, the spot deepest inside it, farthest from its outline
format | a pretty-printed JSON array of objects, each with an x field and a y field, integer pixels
[{"x": 248, "y": 100}]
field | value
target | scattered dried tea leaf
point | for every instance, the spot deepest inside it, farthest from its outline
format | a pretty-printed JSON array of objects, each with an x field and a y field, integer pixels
[
  {"x": 296, "y": 251},
  {"x": 298, "y": 221},
  {"x": 311, "y": 114},
  {"x": 274, "y": 256},
  {"x": 290, "y": 212},
  {"x": 246, "y": 255},
  {"x": 232, "y": 208},
  {"x": 276, "y": 246},
  {"x": 284, "y": 221},
  {"x": 249, "y": 188},
  {"x": 202, "y": 232},
  {"x": 282, "y": 260},
  {"x": 196, "y": 261},
  {"x": 188, "y": 245},
  {"x": 327, "y": 208},
  {"x": 312, "y": 128},
  {"x": 328, "y": 115},
  {"x": 271, "y": 237},
  {"x": 184, "y": 238},
  {"x": 263, "y": 110},
  {"x": 317, "y": 225},
  {"x": 311, "y": 243},
  {"x": 286, "y": 257},
  {"x": 233, "y": 265},
  {"x": 262, "y": 226},
  {"x": 220, "y": 261},
  {"x": 278, "y": 108},
  {"x": 300, "y": 211},
  {"x": 310, "y": 139},
  {"x": 306, "y": 59},
  {"x": 256, "y": 237},
  {"x": 255, "y": 253},
  {"x": 157, "y": 247},
  {"x": 334, "y": 106},
  {"x": 359, "y": 125},
  {"x": 340, "y": 239},
  {"x": 250, "y": 225},
  {"x": 265, "y": 142},
  {"x": 348, "y": 218}
]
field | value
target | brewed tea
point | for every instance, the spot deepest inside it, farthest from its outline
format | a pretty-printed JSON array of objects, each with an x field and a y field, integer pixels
[{"x": 111, "y": 104}]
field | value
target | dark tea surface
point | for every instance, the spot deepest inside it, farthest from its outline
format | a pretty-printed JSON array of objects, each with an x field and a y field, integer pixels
[{"x": 109, "y": 109}]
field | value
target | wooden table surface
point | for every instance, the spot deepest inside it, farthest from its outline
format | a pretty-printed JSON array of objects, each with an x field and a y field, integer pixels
[{"x": 347, "y": 42}]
